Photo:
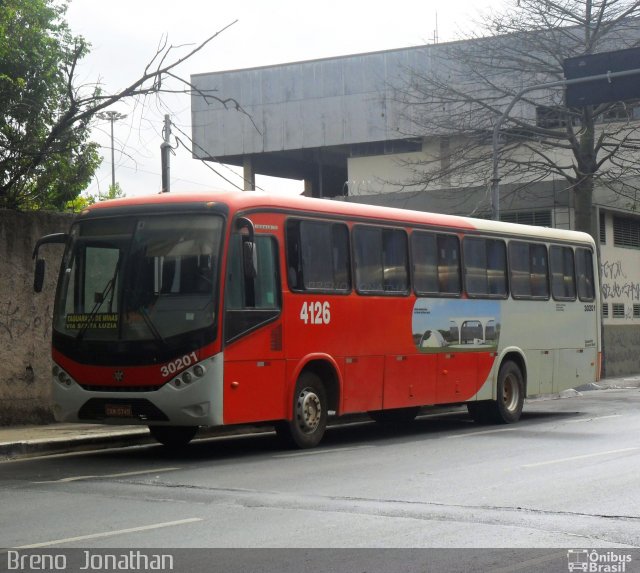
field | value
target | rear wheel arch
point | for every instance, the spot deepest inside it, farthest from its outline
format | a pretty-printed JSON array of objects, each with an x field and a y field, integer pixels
[
  {"x": 509, "y": 393},
  {"x": 519, "y": 360}
]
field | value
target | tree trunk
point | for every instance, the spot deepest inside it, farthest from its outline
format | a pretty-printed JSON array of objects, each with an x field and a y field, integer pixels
[{"x": 583, "y": 206}]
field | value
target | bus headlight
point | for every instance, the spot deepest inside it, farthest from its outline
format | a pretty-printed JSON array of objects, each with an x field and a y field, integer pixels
[
  {"x": 199, "y": 370},
  {"x": 63, "y": 377}
]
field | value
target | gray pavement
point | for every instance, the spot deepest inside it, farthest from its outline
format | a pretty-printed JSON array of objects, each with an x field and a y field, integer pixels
[{"x": 24, "y": 441}]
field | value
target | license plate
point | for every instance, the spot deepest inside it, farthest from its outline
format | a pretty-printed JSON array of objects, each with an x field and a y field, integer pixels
[{"x": 118, "y": 410}]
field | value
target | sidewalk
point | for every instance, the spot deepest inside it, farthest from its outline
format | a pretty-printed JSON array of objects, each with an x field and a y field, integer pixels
[{"x": 24, "y": 441}]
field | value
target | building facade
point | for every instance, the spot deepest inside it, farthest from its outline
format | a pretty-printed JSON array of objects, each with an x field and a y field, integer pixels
[{"x": 340, "y": 125}]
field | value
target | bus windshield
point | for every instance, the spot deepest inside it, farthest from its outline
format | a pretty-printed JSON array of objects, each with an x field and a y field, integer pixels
[{"x": 139, "y": 278}]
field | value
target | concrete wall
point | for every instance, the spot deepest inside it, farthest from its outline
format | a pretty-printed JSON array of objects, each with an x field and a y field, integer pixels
[
  {"x": 25, "y": 317},
  {"x": 621, "y": 344}
]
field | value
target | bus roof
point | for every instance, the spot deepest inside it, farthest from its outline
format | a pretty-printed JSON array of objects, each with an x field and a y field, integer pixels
[{"x": 243, "y": 201}]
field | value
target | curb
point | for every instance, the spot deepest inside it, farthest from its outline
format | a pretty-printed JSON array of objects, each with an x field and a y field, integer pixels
[{"x": 27, "y": 448}]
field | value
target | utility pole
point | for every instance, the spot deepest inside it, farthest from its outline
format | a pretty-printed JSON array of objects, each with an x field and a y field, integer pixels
[
  {"x": 165, "y": 150},
  {"x": 112, "y": 116}
]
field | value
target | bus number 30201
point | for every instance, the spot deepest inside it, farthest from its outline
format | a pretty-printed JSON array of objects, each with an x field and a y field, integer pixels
[
  {"x": 315, "y": 312},
  {"x": 178, "y": 364}
]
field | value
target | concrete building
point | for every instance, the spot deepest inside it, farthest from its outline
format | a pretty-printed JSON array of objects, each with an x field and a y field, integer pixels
[{"x": 338, "y": 124}]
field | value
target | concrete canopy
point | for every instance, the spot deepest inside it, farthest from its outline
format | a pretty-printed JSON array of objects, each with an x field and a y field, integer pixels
[{"x": 304, "y": 120}]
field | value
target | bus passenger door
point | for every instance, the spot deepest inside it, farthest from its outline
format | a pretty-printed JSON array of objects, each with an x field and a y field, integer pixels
[{"x": 254, "y": 367}]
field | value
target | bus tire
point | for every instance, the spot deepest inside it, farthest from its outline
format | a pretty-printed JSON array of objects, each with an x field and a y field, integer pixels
[
  {"x": 173, "y": 436},
  {"x": 310, "y": 412},
  {"x": 395, "y": 416},
  {"x": 507, "y": 409}
]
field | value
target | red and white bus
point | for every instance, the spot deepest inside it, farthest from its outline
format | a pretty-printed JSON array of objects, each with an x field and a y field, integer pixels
[{"x": 185, "y": 310}]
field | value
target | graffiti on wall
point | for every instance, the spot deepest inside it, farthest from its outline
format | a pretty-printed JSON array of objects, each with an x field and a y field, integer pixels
[
  {"x": 17, "y": 321},
  {"x": 618, "y": 286}
]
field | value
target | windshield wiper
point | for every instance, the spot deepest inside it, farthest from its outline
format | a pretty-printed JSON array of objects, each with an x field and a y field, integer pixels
[{"x": 151, "y": 326}]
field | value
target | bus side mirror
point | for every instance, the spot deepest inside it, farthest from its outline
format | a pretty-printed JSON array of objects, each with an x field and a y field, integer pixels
[
  {"x": 38, "y": 275},
  {"x": 249, "y": 253},
  {"x": 249, "y": 259}
]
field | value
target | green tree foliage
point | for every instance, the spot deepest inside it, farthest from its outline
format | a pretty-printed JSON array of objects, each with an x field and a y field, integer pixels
[
  {"x": 83, "y": 201},
  {"x": 42, "y": 166}
]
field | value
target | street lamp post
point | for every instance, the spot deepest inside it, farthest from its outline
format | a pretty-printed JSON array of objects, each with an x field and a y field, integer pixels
[{"x": 112, "y": 116}]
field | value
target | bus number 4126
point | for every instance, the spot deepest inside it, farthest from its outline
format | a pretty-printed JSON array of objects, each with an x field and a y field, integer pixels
[{"x": 315, "y": 312}]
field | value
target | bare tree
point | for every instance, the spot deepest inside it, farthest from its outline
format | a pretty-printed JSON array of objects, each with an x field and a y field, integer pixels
[
  {"x": 464, "y": 87},
  {"x": 45, "y": 154}
]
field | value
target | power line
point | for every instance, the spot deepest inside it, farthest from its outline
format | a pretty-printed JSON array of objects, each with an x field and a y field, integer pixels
[{"x": 208, "y": 165}]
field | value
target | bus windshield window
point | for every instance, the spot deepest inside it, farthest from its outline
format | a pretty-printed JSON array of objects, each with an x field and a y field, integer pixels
[{"x": 139, "y": 279}]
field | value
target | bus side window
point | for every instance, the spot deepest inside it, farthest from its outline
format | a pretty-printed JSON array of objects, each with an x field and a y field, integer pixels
[
  {"x": 436, "y": 263},
  {"x": 584, "y": 271},
  {"x": 563, "y": 283},
  {"x": 485, "y": 267},
  {"x": 381, "y": 260},
  {"x": 539, "y": 271},
  {"x": 449, "y": 281},
  {"x": 251, "y": 301},
  {"x": 318, "y": 256},
  {"x": 424, "y": 256},
  {"x": 367, "y": 244},
  {"x": 528, "y": 270}
]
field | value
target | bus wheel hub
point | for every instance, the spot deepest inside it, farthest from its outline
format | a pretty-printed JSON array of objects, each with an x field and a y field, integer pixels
[{"x": 309, "y": 411}]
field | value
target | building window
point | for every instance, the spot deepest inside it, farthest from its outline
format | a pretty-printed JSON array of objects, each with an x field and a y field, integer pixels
[
  {"x": 617, "y": 309},
  {"x": 636, "y": 311},
  {"x": 620, "y": 111},
  {"x": 539, "y": 218},
  {"x": 626, "y": 232},
  {"x": 553, "y": 117},
  {"x": 605, "y": 310},
  {"x": 603, "y": 229}
]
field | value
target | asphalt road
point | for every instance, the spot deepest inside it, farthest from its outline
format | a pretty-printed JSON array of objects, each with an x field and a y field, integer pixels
[{"x": 565, "y": 476}]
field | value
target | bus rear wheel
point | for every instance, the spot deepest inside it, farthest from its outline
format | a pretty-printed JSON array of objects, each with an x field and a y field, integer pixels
[
  {"x": 309, "y": 421},
  {"x": 507, "y": 409},
  {"x": 173, "y": 436}
]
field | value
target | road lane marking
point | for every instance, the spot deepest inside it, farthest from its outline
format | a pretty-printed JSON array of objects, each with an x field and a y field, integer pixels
[
  {"x": 111, "y": 533},
  {"x": 118, "y": 475},
  {"x": 482, "y": 433},
  {"x": 583, "y": 457},
  {"x": 582, "y": 420},
  {"x": 319, "y": 452}
]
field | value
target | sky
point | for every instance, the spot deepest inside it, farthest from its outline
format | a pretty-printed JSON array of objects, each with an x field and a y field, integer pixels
[{"x": 125, "y": 34}]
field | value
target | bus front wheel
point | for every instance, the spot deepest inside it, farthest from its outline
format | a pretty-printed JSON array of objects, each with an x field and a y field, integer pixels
[
  {"x": 173, "y": 436},
  {"x": 510, "y": 398},
  {"x": 309, "y": 421}
]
